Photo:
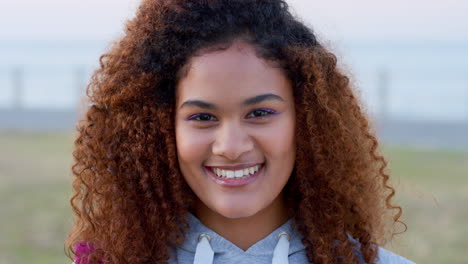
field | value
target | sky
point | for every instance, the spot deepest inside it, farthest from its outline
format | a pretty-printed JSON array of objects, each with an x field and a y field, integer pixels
[{"x": 431, "y": 20}]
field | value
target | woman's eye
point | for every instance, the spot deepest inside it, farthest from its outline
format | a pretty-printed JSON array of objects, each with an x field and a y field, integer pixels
[
  {"x": 258, "y": 113},
  {"x": 202, "y": 117},
  {"x": 261, "y": 113}
]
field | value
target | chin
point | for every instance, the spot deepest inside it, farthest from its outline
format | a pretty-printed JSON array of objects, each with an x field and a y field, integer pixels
[
  {"x": 237, "y": 212},
  {"x": 234, "y": 212}
]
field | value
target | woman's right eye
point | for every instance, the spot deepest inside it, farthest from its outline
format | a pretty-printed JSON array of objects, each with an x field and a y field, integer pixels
[{"x": 202, "y": 117}]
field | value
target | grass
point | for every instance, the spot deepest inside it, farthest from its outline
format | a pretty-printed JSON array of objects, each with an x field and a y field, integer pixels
[
  {"x": 432, "y": 189},
  {"x": 35, "y": 186}
]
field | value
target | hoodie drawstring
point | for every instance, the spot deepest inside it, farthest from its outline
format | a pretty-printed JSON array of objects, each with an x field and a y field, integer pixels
[
  {"x": 204, "y": 254},
  {"x": 281, "y": 252}
]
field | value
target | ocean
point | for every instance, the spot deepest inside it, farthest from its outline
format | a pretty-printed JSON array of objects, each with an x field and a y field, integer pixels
[{"x": 425, "y": 80}]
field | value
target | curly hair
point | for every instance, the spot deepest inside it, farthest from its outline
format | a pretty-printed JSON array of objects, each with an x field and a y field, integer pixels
[{"x": 130, "y": 199}]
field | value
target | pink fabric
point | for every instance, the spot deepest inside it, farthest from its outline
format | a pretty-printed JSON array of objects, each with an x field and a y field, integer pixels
[{"x": 82, "y": 250}]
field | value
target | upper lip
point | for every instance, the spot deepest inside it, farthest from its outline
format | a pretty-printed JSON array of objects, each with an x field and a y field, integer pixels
[{"x": 235, "y": 167}]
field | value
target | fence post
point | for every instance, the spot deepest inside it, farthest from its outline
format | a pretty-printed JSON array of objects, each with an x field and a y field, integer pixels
[
  {"x": 80, "y": 81},
  {"x": 18, "y": 87},
  {"x": 383, "y": 94}
]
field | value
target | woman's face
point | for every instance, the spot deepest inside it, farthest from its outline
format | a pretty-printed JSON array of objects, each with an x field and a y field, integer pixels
[{"x": 235, "y": 118}]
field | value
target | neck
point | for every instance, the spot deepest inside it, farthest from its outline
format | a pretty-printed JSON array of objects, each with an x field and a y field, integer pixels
[{"x": 245, "y": 232}]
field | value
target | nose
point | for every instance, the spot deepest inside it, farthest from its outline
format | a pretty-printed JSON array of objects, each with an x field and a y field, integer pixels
[{"x": 232, "y": 141}]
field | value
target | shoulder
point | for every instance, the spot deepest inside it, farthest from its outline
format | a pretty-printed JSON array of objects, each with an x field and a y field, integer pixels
[
  {"x": 387, "y": 257},
  {"x": 384, "y": 256}
]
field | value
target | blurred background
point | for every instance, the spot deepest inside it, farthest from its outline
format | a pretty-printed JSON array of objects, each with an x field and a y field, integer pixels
[{"x": 407, "y": 59}]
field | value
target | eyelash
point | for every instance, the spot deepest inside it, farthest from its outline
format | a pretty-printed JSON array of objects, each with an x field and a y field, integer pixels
[{"x": 267, "y": 111}]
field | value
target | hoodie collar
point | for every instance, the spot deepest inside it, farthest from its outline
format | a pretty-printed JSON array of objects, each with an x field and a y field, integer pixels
[{"x": 220, "y": 245}]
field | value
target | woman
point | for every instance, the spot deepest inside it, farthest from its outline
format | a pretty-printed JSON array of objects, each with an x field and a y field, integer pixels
[{"x": 221, "y": 131}]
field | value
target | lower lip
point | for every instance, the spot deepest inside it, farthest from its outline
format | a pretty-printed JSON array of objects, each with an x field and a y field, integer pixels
[{"x": 234, "y": 182}]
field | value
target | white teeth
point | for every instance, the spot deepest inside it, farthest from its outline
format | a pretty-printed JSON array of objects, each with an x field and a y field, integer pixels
[{"x": 237, "y": 173}]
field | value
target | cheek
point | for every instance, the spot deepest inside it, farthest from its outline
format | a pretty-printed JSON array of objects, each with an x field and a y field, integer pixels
[
  {"x": 278, "y": 140},
  {"x": 192, "y": 144}
]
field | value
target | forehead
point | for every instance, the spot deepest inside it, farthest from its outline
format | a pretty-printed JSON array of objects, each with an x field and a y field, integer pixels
[{"x": 235, "y": 73}]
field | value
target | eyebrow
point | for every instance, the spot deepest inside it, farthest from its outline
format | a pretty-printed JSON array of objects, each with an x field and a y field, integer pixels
[{"x": 250, "y": 101}]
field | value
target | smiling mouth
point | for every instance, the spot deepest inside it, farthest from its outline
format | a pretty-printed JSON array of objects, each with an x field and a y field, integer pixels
[
  {"x": 235, "y": 178},
  {"x": 236, "y": 174}
]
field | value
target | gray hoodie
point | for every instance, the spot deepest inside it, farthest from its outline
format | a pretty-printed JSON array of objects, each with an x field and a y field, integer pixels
[{"x": 203, "y": 246}]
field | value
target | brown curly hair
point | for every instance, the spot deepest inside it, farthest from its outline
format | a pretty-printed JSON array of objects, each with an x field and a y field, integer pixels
[{"x": 130, "y": 199}]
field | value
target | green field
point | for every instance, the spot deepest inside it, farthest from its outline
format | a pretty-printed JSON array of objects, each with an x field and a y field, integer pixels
[{"x": 35, "y": 186}]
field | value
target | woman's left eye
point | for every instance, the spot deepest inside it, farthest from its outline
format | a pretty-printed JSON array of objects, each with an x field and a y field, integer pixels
[{"x": 261, "y": 113}]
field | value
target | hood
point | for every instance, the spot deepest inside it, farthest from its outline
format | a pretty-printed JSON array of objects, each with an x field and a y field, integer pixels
[
  {"x": 204, "y": 246},
  {"x": 219, "y": 244}
]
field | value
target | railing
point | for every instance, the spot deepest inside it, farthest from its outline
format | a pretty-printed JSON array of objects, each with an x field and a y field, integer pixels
[{"x": 20, "y": 115}]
